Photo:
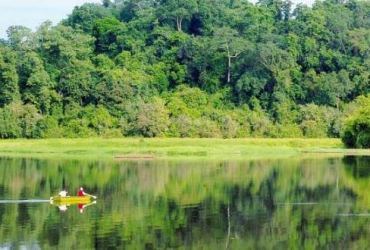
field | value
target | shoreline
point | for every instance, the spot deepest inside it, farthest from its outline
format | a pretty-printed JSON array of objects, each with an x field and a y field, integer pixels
[{"x": 160, "y": 148}]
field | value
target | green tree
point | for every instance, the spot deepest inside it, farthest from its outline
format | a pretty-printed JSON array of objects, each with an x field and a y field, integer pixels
[
  {"x": 36, "y": 84},
  {"x": 228, "y": 40},
  {"x": 318, "y": 121},
  {"x": 83, "y": 17},
  {"x": 108, "y": 32},
  {"x": 99, "y": 119},
  {"x": 48, "y": 127},
  {"x": 10, "y": 125},
  {"x": 120, "y": 87},
  {"x": 357, "y": 126},
  {"x": 205, "y": 65},
  {"x": 9, "y": 88},
  {"x": 19, "y": 121},
  {"x": 57, "y": 46},
  {"x": 151, "y": 119},
  {"x": 277, "y": 8},
  {"x": 75, "y": 81},
  {"x": 177, "y": 10},
  {"x": 20, "y": 38}
]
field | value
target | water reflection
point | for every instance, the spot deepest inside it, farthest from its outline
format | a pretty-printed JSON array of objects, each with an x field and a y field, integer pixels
[
  {"x": 358, "y": 166},
  {"x": 308, "y": 202},
  {"x": 64, "y": 206}
]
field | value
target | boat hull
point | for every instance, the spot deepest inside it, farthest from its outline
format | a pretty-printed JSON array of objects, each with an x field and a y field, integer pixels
[{"x": 70, "y": 199}]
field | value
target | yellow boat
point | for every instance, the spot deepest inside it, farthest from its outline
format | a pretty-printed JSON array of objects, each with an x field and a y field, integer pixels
[
  {"x": 70, "y": 199},
  {"x": 80, "y": 204}
]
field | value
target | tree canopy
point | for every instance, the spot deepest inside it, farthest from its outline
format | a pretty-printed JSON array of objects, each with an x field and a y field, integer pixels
[{"x": 224, "y": 68}]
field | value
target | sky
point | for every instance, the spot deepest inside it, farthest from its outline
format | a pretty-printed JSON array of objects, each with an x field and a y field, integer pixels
[{"x": 32, "y": 13}]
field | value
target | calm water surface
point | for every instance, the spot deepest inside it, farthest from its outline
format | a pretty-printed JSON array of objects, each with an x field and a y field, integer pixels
[{"x": 307, "y": 202}]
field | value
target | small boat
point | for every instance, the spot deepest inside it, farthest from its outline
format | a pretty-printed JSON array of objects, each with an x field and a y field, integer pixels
[
  {"x": 64, "y": 206},
  {"x": 70, "y": 199}
]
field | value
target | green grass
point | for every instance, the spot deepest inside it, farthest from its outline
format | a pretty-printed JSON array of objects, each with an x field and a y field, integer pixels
[{"x": 167, "y": 148}]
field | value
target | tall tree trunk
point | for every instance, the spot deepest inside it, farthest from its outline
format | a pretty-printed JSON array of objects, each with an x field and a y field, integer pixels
[
  {"x": 228, "y": 68},
  {"x": 179, "y": 23}
]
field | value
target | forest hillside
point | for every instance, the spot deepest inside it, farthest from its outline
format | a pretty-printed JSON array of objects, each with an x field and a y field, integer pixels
[{"x": 173, "y": 68}]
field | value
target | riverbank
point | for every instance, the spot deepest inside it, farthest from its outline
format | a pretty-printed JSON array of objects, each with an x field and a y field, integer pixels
[{"x": 148, "y": 148}]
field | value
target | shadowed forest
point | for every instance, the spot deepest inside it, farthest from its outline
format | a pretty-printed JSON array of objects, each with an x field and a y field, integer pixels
[{"x": 171, "y": 68}]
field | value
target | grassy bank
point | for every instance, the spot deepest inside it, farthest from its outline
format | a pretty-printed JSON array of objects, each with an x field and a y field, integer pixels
[{"x": 165, "y": 148}]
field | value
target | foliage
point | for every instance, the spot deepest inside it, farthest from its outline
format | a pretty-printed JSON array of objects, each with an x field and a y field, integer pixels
[
  {"x": 224, "y": 68},
  {"x": 151, "y": 119},
  {"x": 357, "y": 127}
]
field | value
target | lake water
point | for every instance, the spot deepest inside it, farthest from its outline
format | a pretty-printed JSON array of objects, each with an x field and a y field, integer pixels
[{"x": 303, "y": 202}]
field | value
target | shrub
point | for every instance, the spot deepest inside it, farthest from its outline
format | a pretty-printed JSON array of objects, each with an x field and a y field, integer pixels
[
  {"x": 356, "y": 132},
  {"x": 151, "y": 120},
  {"x": 48, "y": 127}
]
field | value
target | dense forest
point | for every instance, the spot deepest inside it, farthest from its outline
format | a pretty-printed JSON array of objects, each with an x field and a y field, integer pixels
[{"x": 172, "y": 68}]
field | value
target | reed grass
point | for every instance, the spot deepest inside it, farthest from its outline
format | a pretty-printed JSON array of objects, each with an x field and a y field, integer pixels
[{"x": 167, "y": 147}]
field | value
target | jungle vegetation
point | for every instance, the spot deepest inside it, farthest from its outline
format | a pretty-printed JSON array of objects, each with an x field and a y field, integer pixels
[{"x": 171, "y": 68}]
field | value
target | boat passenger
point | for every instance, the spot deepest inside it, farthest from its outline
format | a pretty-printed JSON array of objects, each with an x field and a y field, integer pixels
[
  {"x": 81, "y": 192},
  {"x": 63, "y": 208},
  {"x": 63, "y": 193},
  {"x": 81, "y": 207}
]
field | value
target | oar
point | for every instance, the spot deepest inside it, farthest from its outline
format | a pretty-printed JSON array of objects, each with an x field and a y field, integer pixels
[
  {"x": 94, "y": 202},
  {"x": 91, "y": 195},
  {"x": 86, "y": 205}
]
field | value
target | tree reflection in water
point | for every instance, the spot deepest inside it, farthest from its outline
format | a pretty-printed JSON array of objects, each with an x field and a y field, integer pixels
[{"x": 310, "y": 202}]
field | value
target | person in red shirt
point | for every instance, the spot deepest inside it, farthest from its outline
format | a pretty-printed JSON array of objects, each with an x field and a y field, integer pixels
[
  {"x": 81, "y": 192},
  {"x": 81, "y": 207}
]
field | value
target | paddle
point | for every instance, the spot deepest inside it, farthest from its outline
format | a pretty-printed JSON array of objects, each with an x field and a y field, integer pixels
[
  {"x": 94, "y": 202},
  {"x": 91, "y": 195}
]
